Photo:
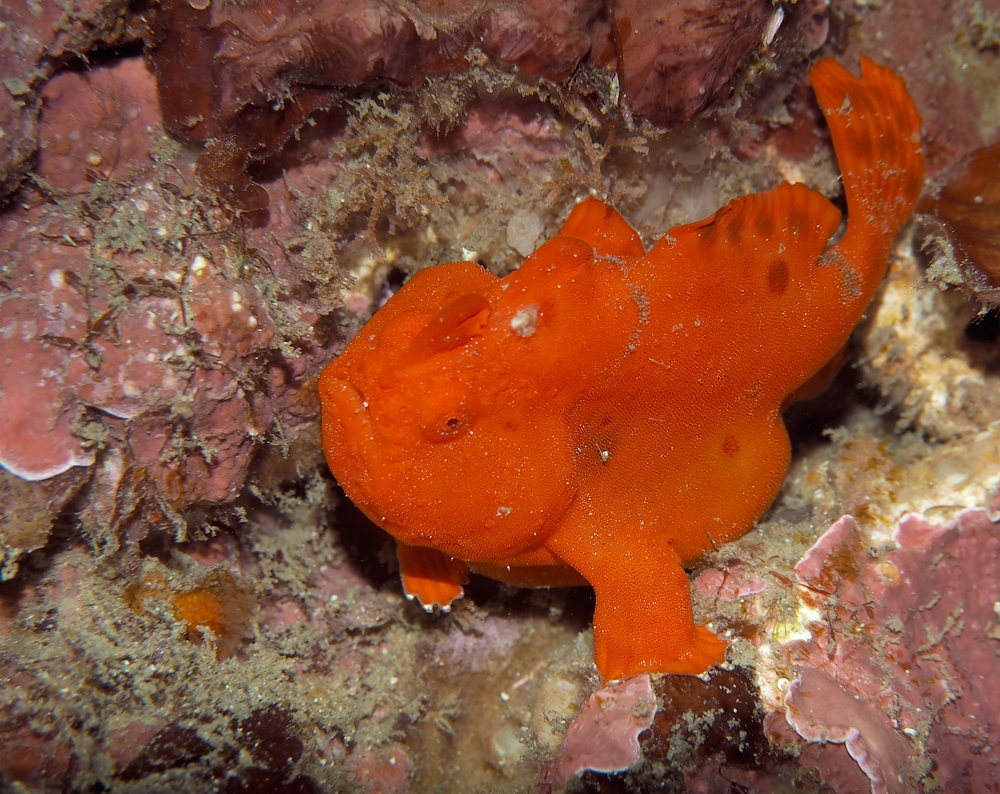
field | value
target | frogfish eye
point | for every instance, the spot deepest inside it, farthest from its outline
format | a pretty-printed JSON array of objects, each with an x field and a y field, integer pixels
[{"x": 443, "y": 413}]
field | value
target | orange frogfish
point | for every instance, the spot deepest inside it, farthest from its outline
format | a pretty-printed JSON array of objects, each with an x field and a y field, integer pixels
[{"x": 605, "y": 414}]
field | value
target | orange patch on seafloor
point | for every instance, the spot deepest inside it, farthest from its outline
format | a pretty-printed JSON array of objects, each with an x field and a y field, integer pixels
[{"x": 219, "y": 603}]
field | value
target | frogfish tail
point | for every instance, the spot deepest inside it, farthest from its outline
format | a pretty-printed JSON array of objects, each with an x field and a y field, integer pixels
[{"x": 876, "y": 135}]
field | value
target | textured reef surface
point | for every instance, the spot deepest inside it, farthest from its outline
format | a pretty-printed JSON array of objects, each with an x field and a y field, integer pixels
[{"x": 202, "y": 204}]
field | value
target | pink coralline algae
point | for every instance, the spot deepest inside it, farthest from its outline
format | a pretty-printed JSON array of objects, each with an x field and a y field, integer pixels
[
  {"x": 96, "y": 125},
  {"x": 604, "y": 736},
  {"x": 35, "y": 39},
  {"x": 833, "y": 559},
  {"x": 244, "y": 78},
  {"x": 125, "y": 325},
  {"x": 902, "y": 667},
  {"x": 733, "y": 583},
  {"x": 676, "y": 56},
  {"x": 69, "y": 343},
  {"x": 42, "y": 312},
  {"x": 821, "y": 710},
  {"x": 380, "y": 770}
]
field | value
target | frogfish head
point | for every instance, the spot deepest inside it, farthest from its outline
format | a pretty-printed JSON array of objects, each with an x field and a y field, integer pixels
[{"x": 424, "y": 430}]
